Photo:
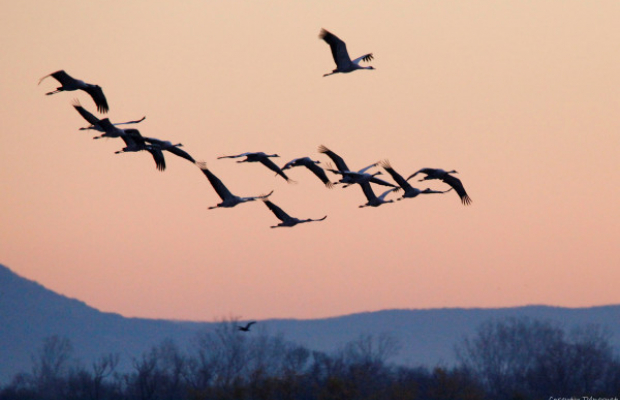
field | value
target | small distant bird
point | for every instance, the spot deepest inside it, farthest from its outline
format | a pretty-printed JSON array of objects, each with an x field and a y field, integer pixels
[
  {"x": 95, "y": 122},
  {"x": 350, "y": 177},
  {"x": 228, "y": 199},
  {"x": 263, "y": 159},
  {"x": 454, "y": 182},
  {"x": 286, "y": 219},
  {"x": 68, "y": 84},
  {"x": 135, "y": 142},
  {"x": 410, "y": 191},
  {"x": 246, "y": 328},
  {"x": 373, "y": 200},
  {"x": 312, "y": 166},
  {"x": 344, "y": 63}
]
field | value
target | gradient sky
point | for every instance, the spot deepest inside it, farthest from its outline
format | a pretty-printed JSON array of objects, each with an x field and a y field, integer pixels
[{"x": 521, "y": 97}]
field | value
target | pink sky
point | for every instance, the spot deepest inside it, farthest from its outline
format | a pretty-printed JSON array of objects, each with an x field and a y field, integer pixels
[{"x": 521, "y": 97}]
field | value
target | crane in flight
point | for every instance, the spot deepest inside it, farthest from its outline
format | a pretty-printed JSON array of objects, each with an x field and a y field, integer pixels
[
  {"x": 68, "y": 83},
  {"x": 247, "y": 326},
  {"x": 229, "y": 200},
  {"x": 135, "y": 142},
  {"x": 453, "y": 181},
  {"x": 166, "y": 145},
  {"x": 373, "y": 200},
  {"x": 409, "y": 191},
  {"x": 94, "y": 121},
  {"x": 263, "y": 159},
  {"x": 350, "y": 177},
  {"x": 343, "y": 62},
  {"x": 287, "y": 220},
  {"x": 312, "y": 166}
]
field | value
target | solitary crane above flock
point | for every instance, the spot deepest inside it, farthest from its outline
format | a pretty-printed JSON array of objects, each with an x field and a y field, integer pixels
[
  {"x": 344, "y": 63},
  {"x": 69, "y": 83}
]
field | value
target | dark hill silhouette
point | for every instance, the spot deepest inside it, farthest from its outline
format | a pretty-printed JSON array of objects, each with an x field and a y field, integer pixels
[{"x": 29, "y": 313}]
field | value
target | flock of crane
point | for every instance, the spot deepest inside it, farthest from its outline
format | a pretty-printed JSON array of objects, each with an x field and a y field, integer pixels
[{"x": 135, "y": 142}]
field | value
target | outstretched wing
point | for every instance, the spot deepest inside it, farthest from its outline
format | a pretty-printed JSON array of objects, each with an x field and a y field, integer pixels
[
  {"x": 96, "y": 93},
  {"x": 378, "y": 181},
  {"x": 361, "y": 171},
  {"x": 338, "y": 48},
  {"x": 158, "y": 156},
  {"x": 131, "y": 122},
  {"x": 272, "y": 166},
  {"x": 262, "y": 196},
  {"x": 279, "y": 213},
  {"x": 426, "y": 171},
  {"x": 368, "y": 192},
  {"x": 181, "y": 153},
  {"x": 382, "y": 196},
  {"x": 235, "y": 156},
  {"x": 320, "y": 173},
  {"x": 455, "y": 183},
  {"x": 61, "y": 76},
  {"x": 365, "y": 57},
  {"x": 395, "y": 175},
  {"x": 217, "y": 184},
  {"x": 431, "y": 191},
  {"x": 340, "y": 164},
  {"x": 85, "y": 114}
]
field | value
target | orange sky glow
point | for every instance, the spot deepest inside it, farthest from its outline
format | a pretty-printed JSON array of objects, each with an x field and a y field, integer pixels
[{"x": 521, "y": 97}]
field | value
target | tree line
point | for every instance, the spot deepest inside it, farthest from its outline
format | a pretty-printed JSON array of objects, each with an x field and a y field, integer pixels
[{"x": 515, "y": 358}]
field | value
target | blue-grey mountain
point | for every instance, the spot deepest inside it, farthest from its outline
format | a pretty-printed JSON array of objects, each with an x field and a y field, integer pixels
[{"x": 29, "y": 313}]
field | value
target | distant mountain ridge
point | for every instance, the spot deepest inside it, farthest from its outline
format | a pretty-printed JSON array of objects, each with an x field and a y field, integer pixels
[{"x": 29, "y": 313}]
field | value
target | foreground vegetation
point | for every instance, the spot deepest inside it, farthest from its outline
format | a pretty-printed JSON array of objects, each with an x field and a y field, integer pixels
[{"x": 506, "y": 359}]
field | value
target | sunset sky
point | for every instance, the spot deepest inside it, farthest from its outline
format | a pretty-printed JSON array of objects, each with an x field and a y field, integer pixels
[{"x": 522, "y": 98}]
